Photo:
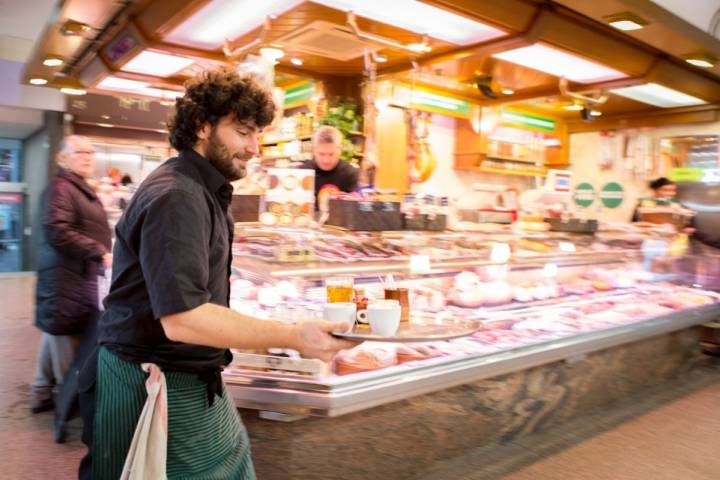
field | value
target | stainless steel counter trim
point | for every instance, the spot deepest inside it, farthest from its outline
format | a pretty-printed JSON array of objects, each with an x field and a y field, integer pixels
[{"x": 354, "y": 396}]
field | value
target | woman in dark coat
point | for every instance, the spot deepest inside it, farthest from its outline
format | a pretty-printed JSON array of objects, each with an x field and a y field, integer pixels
[{"x": 76, "y": 247}]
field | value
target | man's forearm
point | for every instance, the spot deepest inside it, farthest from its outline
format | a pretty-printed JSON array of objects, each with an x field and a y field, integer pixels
[{"x": 216, "y": 326}]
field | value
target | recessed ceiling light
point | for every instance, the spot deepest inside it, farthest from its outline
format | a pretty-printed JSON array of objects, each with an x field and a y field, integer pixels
[
  {"x": 272, "y": 53},
  {"x": 381, "y": 58},
  {"x": 105, "y": 125},
  {"x": 419, "y": 47},
  {"x": 157, "y": 64},
  {"x": 595, "y": 113},
  {"x": 53, "y": 61},
  {"x": 701, "y": 59},
  {"x": 625, "y": 21},
  {"x": 574, "y": 107},
  {"x": 559, "y": 63},
  {"x": 38, "y": 81},
  {"x": 73, "y": 91},
  {"x": 658, "y": 95},
  {"x": 105, "y": 117},
  {"x": 296, "y": 61},
  {"x": 507, "y": 91}
]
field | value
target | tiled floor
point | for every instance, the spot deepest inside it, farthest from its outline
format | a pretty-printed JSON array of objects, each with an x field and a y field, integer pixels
[{"x": 671, "y": 433}]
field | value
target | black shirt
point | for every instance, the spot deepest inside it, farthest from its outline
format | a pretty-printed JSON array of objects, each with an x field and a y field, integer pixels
[
  {"x": 172, "y": 254},
  {"x": 343, "y": 177}
]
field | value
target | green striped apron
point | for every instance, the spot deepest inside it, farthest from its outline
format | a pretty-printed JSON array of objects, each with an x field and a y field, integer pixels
[{"x": 204, "y": 443}]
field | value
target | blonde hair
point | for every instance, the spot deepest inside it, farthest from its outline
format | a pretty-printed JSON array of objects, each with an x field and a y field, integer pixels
[{"x": 327, "y": 134}]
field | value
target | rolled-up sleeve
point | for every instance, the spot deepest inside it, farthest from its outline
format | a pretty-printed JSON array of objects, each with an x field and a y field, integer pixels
[{"x": 174, "y": 250}]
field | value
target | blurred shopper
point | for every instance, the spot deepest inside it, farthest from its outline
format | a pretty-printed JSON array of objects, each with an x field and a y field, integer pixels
[
  {"x": 76, "y": 245},
  {"x": 331, "y": 174},
  {"x": 167, "y": 320}
]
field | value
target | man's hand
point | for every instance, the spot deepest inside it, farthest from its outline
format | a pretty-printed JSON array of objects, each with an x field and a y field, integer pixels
[{"x": 313, "y": 339}]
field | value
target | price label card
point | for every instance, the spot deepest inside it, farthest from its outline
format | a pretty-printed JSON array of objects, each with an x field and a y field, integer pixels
[
  {"x": 567, "y": 247},
  {"x": 419, "y": 263}
]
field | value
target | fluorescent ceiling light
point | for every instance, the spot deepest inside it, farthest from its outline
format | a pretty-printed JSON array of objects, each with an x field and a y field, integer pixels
[
  {"x": 157, "y": 64},
  {"x": 134, "y": 86},
  {"x": 38, "y": 81},
  {"x": 560, "y": 64},
  {"x": 595, "y": 113},
  {"x": 116, "y": 83},
  {"x": 419, "y": 17},
  {"x": 507, "y": 91},
  {"x": 654, "y": 94},
  {"x": 226, "y": 19},
  {"x": 381, "y": 58},
  {"x": 574, "y": 106},
  {"x": 296, "y": 61}
]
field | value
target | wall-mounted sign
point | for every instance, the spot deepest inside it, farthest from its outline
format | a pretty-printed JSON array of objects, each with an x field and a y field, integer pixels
[
  {"x": 299, "y": 94},
  {"x": 525, "y": 120},
  {"x": 427, "y": 100},
  {"x": 686, "y": 174},
  {"x": 612, "y": 195},
  {"x": 584, "y": 195}
]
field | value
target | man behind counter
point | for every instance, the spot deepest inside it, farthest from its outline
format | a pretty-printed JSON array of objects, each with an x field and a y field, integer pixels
[{"x": 331, "y": 174}]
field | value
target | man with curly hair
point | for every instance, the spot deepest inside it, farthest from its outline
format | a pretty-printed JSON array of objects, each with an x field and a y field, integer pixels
[{"x": 167, "y": 310}]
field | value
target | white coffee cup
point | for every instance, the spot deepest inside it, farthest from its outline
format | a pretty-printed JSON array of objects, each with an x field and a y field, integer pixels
[
  {"x": 384, "y": 317},
  {"x": 340, "y": 312}
]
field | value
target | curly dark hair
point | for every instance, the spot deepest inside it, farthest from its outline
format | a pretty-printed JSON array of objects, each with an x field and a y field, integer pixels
[{"x": 213, "y": 95}]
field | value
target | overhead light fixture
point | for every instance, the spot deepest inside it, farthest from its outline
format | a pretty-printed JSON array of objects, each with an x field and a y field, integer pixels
[
  {"x": 69, "y": 85},
  {"x": 625, "y": 21},
  {"x": 658, "y": 95},
  {"x": 561, "y": 64},
  {"x": 419, "y": 47},
  {"x": 106, "y": 125},
  {"x": 595, "y": 113},
  {"x": 73, "y": 27},
  {"x": 38, "y": 81},
  {"x": 53, "y": 61},
  {"x": 272, "y": 53},
  {"x": 219, "y": 20},
  {"x": 381, "y": 58},
  {"x": 134, "y": 86},
  {"x": 117, "y": 83},
  {"x": 73, "y": 91},
  {"x": 157, "y": 64},
  {"x": 573, "y": 107},
  {"x": 296, "y": 61},
  {"x": 105, "y": 117},
  {"x": 701, "y": 59},
  {"x": 507, "y": 91},
  {"x": 419, "y": 17}
]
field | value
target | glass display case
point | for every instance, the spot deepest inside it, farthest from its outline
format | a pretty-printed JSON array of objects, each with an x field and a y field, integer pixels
[{"x": 536, "y": 298}]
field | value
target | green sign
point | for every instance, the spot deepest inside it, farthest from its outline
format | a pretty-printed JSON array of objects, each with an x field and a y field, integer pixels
[
  {"x": 528, "y": 120},
  {"x": 686, "y": 174},
  {"x": 612, "y": 195},
  {"x": 440, "y": 104},
  {"x": 299, "y": 93},
  {"x": 584, "y": 195}
]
